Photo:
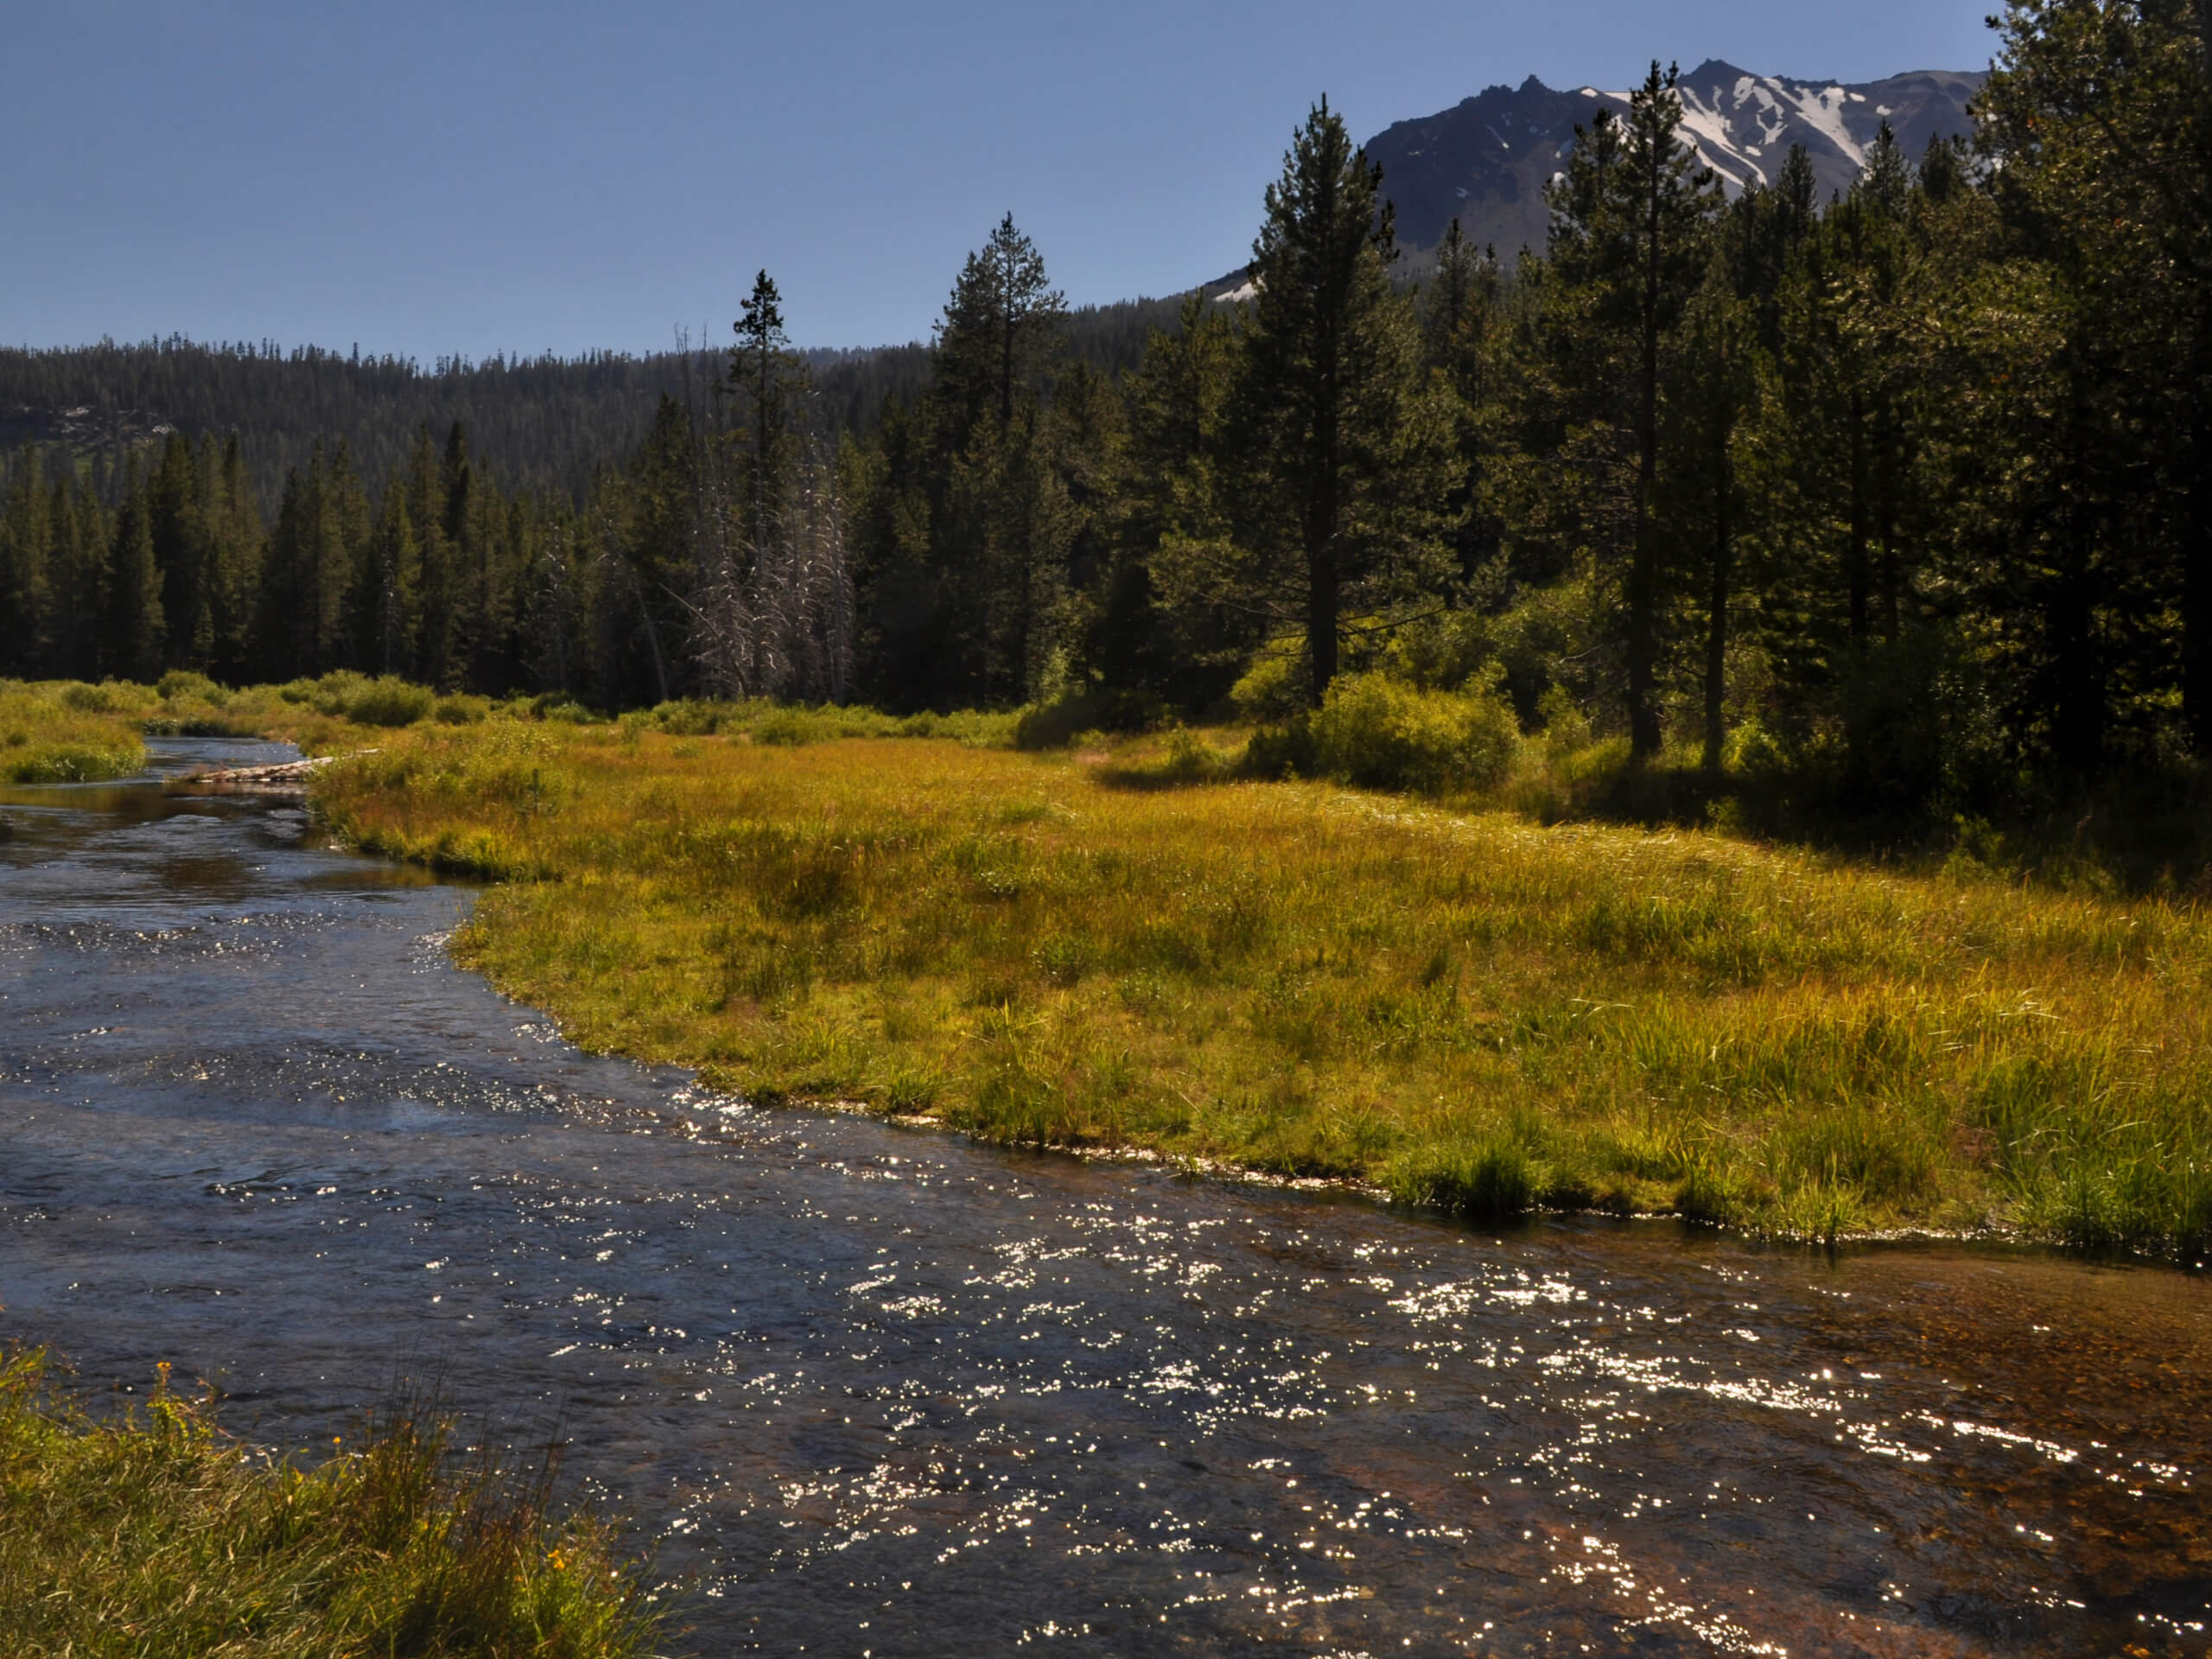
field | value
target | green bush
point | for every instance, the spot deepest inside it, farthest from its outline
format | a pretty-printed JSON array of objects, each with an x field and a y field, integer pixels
[
  {"x": 1566, "y": 727},
  {"x": 181, "y": 684},
  {"x": 1190, "y": 759},
  {"x": 792, "y": 727},
  {"x": 688, "y": 717},
  {"x": 388, "y": 701},
  {"x": 561, "y": 707},
  {"x": 1273, "y": 689},
  {"x": 1057, "y": 724},
  {"x": 87, "y": 699},
  {"x": 1381, "y": 734},
  {"x": 460, "y": 709},
  {"x": 345, "y": 694}
]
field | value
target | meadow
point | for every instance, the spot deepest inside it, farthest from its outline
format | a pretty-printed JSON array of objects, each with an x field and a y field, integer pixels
[
  {"x": 1121, "y": 945},
  {"x": 1131, "y": 945}
]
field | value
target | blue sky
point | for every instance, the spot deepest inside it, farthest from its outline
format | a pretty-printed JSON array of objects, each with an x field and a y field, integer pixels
[{"x": 465, "y": 179}]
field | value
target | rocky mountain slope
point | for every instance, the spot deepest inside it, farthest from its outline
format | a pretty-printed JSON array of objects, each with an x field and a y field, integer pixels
[{"x": 1486, "y": 160}]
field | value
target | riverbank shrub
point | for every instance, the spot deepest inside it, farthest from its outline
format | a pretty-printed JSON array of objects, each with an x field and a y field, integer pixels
[
  {"x": 154, "y": 1533},
  {"x": 64, "y": 733}
]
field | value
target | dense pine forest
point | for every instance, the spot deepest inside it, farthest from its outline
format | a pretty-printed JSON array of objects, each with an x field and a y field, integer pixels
[{"x": 1899, "y": 501}]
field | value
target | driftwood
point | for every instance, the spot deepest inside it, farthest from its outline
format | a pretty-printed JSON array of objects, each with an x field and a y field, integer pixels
[{"x": 286, "y": 780}]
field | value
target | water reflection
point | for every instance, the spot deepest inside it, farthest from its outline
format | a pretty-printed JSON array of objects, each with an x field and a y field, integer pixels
[{"x": 878, "y": 1392}]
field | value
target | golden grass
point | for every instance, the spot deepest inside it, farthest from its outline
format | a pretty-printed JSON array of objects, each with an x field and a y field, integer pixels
[{"x": 1466, "y": 1009}]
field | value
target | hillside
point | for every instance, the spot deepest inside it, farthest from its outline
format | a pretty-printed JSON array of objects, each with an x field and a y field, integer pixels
[{"x": 546, "y": 423}]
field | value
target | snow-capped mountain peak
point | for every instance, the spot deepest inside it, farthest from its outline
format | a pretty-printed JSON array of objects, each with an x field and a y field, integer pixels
[{"x": 1486, "y": 160}]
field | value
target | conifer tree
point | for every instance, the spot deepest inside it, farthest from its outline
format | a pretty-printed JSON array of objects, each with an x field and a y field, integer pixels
[
  {"x": 1339, "y": 451},
  {"x": 2098, "y": 120},
  {"x": 767, "y": 379},
  {"x": 1461, "y": 317},
  {"x": 463, "y": 545},
  {"x": 26, "y": 566},
  {"x": 236, "y": 542},
  {"x": 177, "y": 514},
  {"x": 78, "y": 577},
  {"x": 130, "y": 598},
  {"x": 1164, "y": 626},
  {"x": 1631, "y": 217},
  {"x": 386, "y": 610},
  {"x": 437, "y": 660},
  {"x": 1714, "y": 387},
  {"x": 1000, "y": 332},
  {"x": 998, "y": 535}
]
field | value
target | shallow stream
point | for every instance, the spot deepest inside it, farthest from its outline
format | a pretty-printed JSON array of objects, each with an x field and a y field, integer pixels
[{"x": 868, "y": 1390}]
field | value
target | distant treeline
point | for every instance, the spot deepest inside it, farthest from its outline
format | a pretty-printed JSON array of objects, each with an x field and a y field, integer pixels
[
  {"x": 546, "y": 423},
  {"x": 1905, "y": 496}
]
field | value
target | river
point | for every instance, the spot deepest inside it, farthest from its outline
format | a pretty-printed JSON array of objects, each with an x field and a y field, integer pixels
[{"x": 867, "y": 1390}]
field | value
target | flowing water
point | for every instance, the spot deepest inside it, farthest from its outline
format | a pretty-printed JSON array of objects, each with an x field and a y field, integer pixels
[{"x": 868, "y": 1390}]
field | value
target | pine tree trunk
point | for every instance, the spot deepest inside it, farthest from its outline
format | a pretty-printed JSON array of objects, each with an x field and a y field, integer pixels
[
  {"x": 1321, "y": 617},
  {"x": 2196, "y": 598},
  {"x": 1644, "y": 732},
  {"x": 1323, "y": 578},
  {"x": 1892, "y": 600},
  {"x": 2078, "y": 698},
  {"x": 1716, "y": 623},
  {"x": 1855, "y": 581},
  {"x": 1643, "y": 567},
  {"x": 2196, "y": 530}
]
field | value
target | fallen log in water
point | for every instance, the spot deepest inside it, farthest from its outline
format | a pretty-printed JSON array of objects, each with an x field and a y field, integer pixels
[{"x": 285, "y": 778}]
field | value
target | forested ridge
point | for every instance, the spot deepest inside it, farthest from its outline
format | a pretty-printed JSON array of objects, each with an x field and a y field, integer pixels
[
  {"x": 548, "y": 423},
  {"x": 1899, "y": 501}
]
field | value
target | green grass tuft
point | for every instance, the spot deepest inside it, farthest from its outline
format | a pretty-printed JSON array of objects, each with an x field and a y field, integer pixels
[{"x": 156, "y": 1533}]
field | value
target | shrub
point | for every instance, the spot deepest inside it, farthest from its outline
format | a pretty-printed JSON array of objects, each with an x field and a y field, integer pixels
[
  {"x": 87, "y": 699},
  {"x": 1190, "y": 759},
  {"x": 1381, "y": 734},
  {"x": 792, "y": 727},
  {"x": 180, "y": 683},
  {"x": 387, "y": 702},
  {"x": 559, "y": 705},
  {"x": 1445, "y": 652},
  {"x": 1566, "y": 727},
  {"x": 688, "y": 717},
  {"x": 1274, "y": 687},
  {"x": 1066, "y": 720}
]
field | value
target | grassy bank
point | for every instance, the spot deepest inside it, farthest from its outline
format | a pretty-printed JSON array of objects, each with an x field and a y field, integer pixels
[
  {"x": 63, "y": 733},
  {"x": 1121, "y": 945},
  {"x": 1114, "y": 949},
  {"x": 70, "y": 732},
  {"x": 154, "y": 1534}
]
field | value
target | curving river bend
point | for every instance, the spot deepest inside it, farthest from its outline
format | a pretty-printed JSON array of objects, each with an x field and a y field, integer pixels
[{"x": 873, "y": 1391}]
